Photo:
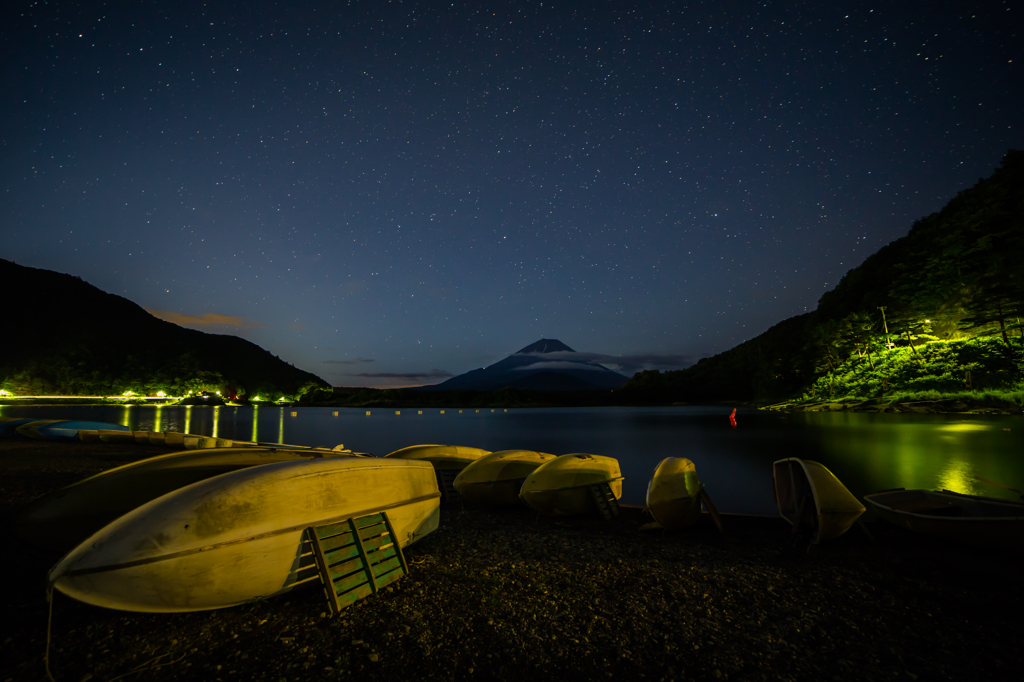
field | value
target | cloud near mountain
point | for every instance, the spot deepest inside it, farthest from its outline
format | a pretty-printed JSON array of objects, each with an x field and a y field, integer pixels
[
  {"x": 558, "y": 365},
  {"x": 624, "y": 364},
  {"x": 432, "y": 374},
  {"x": 205, "y": 320}
]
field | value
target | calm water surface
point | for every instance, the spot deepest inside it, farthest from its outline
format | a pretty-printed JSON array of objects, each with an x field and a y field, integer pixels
[{"x": 868, "y": 452}]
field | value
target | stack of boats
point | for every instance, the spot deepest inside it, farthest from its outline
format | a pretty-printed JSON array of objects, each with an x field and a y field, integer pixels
[
  {"x": 96, "y": 432},
  {"x": 576, "y": 483},
  {"x": 218, "y": 526}
]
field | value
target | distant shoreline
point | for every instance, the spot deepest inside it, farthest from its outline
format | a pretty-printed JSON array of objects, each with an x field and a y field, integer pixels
[
  {"x": 880, "y": 405},
  {"x": 940, "y": 405}
]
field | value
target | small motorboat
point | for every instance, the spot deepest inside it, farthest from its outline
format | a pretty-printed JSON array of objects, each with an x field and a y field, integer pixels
[
  {"x": 812, "y": 499},
  {"x": 495, "y": 480},
  {"x": 577, "y": 483},
  {"x": 973, "y": 519}
]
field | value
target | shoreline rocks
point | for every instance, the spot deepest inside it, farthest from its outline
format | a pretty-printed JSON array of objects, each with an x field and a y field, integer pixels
[{"x": 880, "y": 405}]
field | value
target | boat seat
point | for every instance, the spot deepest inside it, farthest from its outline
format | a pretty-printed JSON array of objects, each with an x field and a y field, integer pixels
[{"x": 930, "y": 508}]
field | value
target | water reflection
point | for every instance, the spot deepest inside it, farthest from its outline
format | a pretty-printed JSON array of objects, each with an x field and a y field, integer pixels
[
  {"x": 958, "y": 476},
  {"x": 868, "y": 452}
]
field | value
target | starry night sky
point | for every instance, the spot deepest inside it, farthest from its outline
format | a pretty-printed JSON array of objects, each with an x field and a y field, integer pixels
[{"x": 389, "y": 193}]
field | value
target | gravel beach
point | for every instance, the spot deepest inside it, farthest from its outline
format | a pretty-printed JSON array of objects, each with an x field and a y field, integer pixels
[{"x": 506, "y": 595}]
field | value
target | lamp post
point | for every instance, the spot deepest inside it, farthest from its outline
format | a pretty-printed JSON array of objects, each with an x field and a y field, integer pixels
[{"x": 885, "y": 325}]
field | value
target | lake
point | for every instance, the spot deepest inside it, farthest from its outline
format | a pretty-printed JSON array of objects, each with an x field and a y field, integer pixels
[{"x": 868, "y": 452}]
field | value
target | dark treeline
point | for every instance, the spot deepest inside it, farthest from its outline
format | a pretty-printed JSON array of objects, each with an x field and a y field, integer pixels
[
  {"x": 503, "y": 398},
  {"x": 956, "y": 278},
  {"x": 74, "y": 339}
]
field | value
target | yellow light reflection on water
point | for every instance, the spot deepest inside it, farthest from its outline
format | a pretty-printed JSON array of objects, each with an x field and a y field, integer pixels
[
  {"x": 957, "y": 476},
  {"x": 188, "y": 419},
  {"x": 280, "y": 428},
  {"x": 126, "y": 416},
  {"x": 965, "y": 427},
  {"x": 255, "y": 423},
  {"x": 216, "y": 419},
  {"x": 158, "y": 418}
]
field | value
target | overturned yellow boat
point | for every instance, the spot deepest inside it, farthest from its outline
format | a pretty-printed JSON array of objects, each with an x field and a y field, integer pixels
[
  {"x": 577, "y": 483},
  {"x": 65, "y": 517},
  {"x": 674, "y": 493},
  {"x": 496, "y": 479},
  {"x": 812, "y": 499},
  {"x": 441, "y": 456},
  {"x": 448, "y": 461},
  {"x": 242, "y": 535}
]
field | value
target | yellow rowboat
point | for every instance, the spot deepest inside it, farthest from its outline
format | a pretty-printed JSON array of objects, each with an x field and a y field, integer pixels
[
  {"x": 441, "y": 456},
  {"x": 448, "y": 461},
  {"x": 110, "y": 436},
  {"x": 66, "y": 517},
  {"x": 811, "y": 498},
  {"x": 117, "y": 436},
  {"x": 496, "y": 479},
  {"x": 572, "y": 484},
  {"x": 673, "y": 495},
  {"x": 157, "y": 437},
  {"x": 241, "y": 535}
]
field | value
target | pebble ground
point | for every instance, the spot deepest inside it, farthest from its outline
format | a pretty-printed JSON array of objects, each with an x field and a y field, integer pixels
[{"x": 505, "y": 595}]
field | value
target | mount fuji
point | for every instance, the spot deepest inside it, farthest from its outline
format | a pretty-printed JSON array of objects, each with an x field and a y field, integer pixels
[{"x": 546, "y": 365}]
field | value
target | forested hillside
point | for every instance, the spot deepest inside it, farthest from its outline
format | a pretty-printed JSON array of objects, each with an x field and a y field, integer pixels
[
  {"x": 941, "y": 309},
  {"x": 67, "y": 337}
]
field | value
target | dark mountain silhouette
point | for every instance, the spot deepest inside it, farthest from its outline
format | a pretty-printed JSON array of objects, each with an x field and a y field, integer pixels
[
  {"x": 957, "y": 277},
  {"x": 546, "y": 365},
  {"x": 71, "y": 338}
]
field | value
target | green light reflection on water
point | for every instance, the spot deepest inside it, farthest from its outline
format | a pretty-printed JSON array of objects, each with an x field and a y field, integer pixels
[
  {"x": 885, "y": 452},
  {"x": 188, "y": 419},
  {"x": 280, "y": 427},
  {"x": 158, "y": 418},
  {"x": 255, "y": 423}
]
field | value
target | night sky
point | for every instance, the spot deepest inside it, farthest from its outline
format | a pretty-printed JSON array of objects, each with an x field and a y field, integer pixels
[{"x": 390, "y": 193}]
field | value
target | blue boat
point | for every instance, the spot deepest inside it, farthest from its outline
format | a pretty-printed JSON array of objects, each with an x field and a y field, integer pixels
[
  {"x": 65, "y": 430},
  {"x": 9, "y": 427}
]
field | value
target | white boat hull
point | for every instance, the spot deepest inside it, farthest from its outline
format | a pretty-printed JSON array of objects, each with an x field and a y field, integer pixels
[{"x": 241, "y": 536}]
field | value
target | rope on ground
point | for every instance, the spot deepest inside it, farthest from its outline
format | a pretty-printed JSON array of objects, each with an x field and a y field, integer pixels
[
  {"x": 150, "y": 665},
  {"x": 144, "y": 667},
  {"x": 49, "y": 621}
]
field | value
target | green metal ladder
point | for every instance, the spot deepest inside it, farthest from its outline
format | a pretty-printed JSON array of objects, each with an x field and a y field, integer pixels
[
  {"x": 604, "y": 499},
  {"x": 356, "y": 558}
]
